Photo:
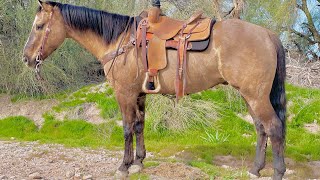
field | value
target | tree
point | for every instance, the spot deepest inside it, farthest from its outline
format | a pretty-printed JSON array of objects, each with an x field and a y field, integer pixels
[{"x": 306, "y": 36}]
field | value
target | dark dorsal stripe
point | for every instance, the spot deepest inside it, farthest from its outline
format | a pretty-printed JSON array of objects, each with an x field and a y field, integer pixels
[{"x": 107, "y": 25}]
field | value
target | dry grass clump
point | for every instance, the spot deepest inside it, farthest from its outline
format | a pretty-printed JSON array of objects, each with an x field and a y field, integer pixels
[
  {"x": 188, "y": 113},
  {"x": 301, "y": 72}
]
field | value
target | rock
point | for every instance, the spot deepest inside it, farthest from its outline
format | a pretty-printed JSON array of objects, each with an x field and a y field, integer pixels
[
  {"x": 87, "y": 177},
  {"x": 289, "y": 172},
  {"x": 246, "y": 135},
  {"x": 3, "y": 177},
  {"x": 69, "y": 174},
  {"x": 121, "y": 175},
  {"x": 134, "y": 169},
  {"x": 226, "y": 167},
  {"x": 35, "y": 175},
  {"x": 252, "y": 176},
  {"x": 78, "y": 173}
]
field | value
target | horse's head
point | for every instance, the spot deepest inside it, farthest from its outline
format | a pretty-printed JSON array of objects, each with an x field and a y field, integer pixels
[{"x": 47, "y": 34}]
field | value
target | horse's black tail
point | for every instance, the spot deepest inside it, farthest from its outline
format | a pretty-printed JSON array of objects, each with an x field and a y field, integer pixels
[{"x": 278, "y": 94}]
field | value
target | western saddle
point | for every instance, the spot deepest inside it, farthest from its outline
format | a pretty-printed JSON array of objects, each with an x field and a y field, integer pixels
[{"x": 156, "y": 33}]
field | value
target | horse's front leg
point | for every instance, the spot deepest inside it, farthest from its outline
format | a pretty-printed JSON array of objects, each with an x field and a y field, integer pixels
[
  {"x": 128, "y": 106},
  {"x": 138, "y": 129}
]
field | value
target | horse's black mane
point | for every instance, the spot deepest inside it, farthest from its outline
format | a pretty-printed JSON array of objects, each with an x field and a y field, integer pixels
[{"x": 108, "y": 25}]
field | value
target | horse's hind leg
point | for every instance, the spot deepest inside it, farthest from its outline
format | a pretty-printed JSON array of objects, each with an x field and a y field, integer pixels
[
  {"x": 262, "y": 138},
  {"x": 263, "y": 111}
]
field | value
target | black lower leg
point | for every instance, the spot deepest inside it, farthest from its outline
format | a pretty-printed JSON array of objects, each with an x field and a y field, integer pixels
[
  {"x": 138, "y": 129},
  {"x": 259, "y": 162},
  {"x": 141, "y": 150},
  {"x": 128, "y": 152},
  {"x": 277, "y": 138}
]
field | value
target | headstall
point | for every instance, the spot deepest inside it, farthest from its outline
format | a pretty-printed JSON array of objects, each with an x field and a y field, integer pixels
[{"x": 39, "y": 58}]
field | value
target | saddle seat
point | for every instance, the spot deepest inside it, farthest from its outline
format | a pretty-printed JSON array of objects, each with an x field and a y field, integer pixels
[{"x": 167, "y": 28}]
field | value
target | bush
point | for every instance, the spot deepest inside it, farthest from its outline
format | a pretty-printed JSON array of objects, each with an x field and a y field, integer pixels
[{"x": 188, "y": 113}]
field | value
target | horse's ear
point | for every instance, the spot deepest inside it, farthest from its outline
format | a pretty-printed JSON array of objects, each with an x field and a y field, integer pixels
[
  {"x": 44, "y": 6},
  {"x": 40, "y": 3}
]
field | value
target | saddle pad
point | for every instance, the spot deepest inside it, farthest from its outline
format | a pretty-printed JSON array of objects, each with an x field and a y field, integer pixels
[{"x": 157, "y": 56}]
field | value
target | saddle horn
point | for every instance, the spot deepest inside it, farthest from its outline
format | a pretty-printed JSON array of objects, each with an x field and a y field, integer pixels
[{"x": 156, "y": 3}]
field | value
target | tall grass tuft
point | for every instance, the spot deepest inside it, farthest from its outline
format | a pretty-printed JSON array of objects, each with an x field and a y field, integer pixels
[{"x": 187, "y": 114}]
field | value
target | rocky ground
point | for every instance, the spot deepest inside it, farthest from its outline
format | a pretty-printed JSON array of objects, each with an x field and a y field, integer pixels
[{"x": 31, "y": 160}]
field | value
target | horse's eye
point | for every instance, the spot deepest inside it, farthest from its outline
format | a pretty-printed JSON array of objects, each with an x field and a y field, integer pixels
[{"x": 39, "y": 27}]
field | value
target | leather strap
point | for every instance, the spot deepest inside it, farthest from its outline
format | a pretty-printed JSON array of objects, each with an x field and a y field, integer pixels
[
  {"x": 45, "y": 39},
  {"x": 110, "y": 56},
  {"x": 143, "y": 26},
  {"x": 181, "y": 79},
  {"x": 174, "y": 44},
  {"x": 39, "y": 58}
]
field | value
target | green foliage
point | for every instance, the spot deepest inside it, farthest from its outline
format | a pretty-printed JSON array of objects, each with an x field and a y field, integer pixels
[
  {"x": 304, "y": 105},
  {"x": 277, "y": 15}
]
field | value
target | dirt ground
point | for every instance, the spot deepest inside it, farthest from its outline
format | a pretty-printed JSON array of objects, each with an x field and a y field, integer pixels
[{"x": 31, "y": 160}]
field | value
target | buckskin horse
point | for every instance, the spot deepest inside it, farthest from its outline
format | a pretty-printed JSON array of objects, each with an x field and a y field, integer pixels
[{"x": 248, "y": 57}]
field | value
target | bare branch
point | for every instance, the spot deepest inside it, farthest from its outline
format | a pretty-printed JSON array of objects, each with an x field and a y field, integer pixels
[
  {"x": 216, "y": 8},
  {"x": 298, "y": 47},
  {"x": 311, "y": 24},
  {"x": 303, "y": 36},
  {"x": 237, "y": 9}
]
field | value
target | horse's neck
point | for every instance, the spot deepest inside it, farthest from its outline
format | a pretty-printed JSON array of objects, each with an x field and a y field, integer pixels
[{"x": 92, "y": 42}]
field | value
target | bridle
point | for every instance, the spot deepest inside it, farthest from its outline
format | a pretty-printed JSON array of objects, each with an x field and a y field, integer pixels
[{"x": 39, "y": 58}]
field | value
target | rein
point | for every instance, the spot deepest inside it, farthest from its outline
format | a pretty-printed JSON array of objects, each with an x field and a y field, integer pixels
[
  {"x": 39, "y": 58},
  {"x": 120, "y": 50}
]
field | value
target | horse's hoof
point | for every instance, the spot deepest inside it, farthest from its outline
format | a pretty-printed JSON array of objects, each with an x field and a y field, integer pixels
[
  {"x": 134, "y": 169},
  {"x": 253, "y": 175},
  {"x": 121, "y": 175},
  {"x": 277, "y": 176}
]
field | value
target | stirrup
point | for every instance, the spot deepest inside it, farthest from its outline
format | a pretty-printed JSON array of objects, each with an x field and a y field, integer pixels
[{"x": 156, "y": 83}]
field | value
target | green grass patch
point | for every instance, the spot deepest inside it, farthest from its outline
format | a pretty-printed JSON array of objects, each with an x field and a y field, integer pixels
[
  {"x": 18, "y": 127},
  {"x": 139, "y": 176}
]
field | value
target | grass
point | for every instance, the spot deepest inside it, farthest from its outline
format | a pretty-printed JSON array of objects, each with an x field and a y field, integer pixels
[{"x": 196, "y": 144}]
